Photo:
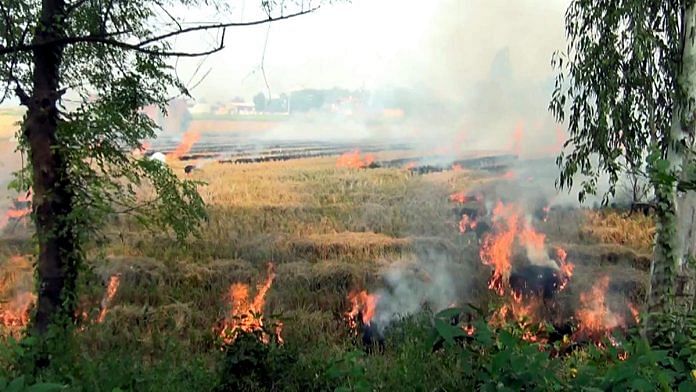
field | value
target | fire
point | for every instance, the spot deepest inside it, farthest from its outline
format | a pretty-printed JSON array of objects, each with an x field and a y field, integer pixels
[
  {"x": 363, "y": 305},
  {"x": 496, "y": 249},
  {"x": 531, "y": 238},
  {"x": 21, "y": 209},
  {"x": 109, "y": 294},
  {"x": 595, "y": 318},
  {"x": 466, "y": 223},
  {"x": 634, "y": 312},
  {"x": 15, "y": 314},
  {"x": 246, "y": 316},
  {"x": 470, "y": 330},
  {"x": 459, "y": 197},
  {"x": 187, "y": 141},
  {"x": 409, "y": 166},
  {"x": 509, "y": 175},
  {"x": 457, "y": 167},
  {"x": 565, "y": 267},
  {"x": 353, "y": 160},
  {"x": 26, "y": 197}
]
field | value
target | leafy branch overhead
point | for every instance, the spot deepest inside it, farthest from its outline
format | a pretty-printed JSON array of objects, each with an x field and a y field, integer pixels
[
  {"x": 114, "y": 27},
  {"x": 616, "y": 85}
]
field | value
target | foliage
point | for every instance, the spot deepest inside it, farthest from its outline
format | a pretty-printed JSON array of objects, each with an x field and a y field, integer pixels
[
  {"x": 350, "y": 371},
  {"x": 616, "y": 85},
  {"x": 249, "y": 364},
  {"x": 500, "y": 359},
  {"x": 19, "y": 384}
]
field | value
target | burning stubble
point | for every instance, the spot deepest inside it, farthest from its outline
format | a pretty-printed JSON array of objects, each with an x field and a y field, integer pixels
[
  {"x": 354, "y": 160},
  {"x": 246, "y": 315},
  {"x": 109, "y": 294}
]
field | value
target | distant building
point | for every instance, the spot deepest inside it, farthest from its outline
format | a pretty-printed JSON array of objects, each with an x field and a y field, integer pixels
[
  {"x": 200, "y": 108},
  {"x": 235, "y": 108}
]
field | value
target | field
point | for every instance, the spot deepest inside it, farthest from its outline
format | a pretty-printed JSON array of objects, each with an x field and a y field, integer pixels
[{"x": 328, "y": 231}]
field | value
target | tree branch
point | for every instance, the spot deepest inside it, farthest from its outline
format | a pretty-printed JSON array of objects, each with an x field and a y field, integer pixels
[
  {"x": 141, "y": 46},
  {"x": 72, "y": 7}
]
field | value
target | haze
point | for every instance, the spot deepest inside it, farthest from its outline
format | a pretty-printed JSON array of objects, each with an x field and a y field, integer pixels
[{"x": 445, "y": 46}]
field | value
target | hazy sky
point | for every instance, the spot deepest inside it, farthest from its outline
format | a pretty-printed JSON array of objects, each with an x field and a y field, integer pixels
[{"x": 444, "y": 45}]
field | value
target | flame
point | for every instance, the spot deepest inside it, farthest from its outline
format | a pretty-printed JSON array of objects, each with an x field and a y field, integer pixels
[
  {"x": 187, "y": 141},
  {"x": 470, "y": 330},
  {"x": 459, "y": 197},
  {"x": 15, "y": 314},
  {"x": 634, "y": 312},
  {"x": 509, "y": 175},
  {"x": 411, "y": 165},
  {"x": 566, "y": 268},
  {"x": 17, "y": 213},
  {"x": 546, "y": 210},
  {"x": 496, "y": 248},
  {"x": 353, "y": 160},
  {"x": 245, "y": 315},
  {"x": 364, "y": 305},
  {"x": 524, "y": 313},
  {"x": 466, "y": 223},
  {"x": 531, "y": 238},
  {"x": 26, "y": 197},
  {"x": 109, "y": 294},
  {"x": 595, "y": 318},
  {"x": 457, "y": 167}
]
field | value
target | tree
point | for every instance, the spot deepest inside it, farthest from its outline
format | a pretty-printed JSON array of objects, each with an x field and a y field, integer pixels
[
  {"x": 626, "y": 86},
  {"x": 260, "y": 102},
  {"x": 109, "y": 57}
]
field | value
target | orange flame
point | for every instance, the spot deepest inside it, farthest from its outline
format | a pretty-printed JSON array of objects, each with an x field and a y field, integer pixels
[
  {"x": 246, "y": 316},
  {"x": 17, "y": 213},
  {"x": 531, "y": 238},
  {"x": 566, "y": 267},
  {"x": 457, "y": 168},
  {"x": 187, "y": 141},
  {"x": 509, "y": 175},
  {"x": 467, "y": 223},
  {"x": 470, "y": 330},
  {"x": 109, "y": 294},
  {"x": 634, "y": 312},
  {"x": 15, "y": 314},
  {"x": 595, "y": 318},
  {"x": 496, "y": 248},
  {"x": 26, "y": 197},
  {"x": 353, "y": 160},
  {"x": 459, "y": 197},
  {"x": 362, "y": 304},
  {"x": 410, "y": 165}
]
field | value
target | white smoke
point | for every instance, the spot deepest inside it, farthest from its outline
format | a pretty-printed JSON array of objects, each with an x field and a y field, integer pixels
[{"x": 432, "y": 282}]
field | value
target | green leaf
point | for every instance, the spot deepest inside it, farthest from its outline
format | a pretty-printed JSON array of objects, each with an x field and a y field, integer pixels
[
  {"x": 448, "y": 313},
  {"x": 445, "y": 330},
  {"x": 640, "y": 384},
  {"x": 46, "y": 387}
]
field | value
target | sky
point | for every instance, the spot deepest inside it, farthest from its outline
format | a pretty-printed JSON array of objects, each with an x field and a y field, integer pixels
[{"x": 443, "y": 45}]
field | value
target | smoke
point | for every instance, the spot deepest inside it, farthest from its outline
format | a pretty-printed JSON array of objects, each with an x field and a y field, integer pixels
[{"x": 432, "y": 281}]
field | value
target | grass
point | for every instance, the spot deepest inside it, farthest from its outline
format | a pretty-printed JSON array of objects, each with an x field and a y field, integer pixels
[{"x": 329, "y": 231}]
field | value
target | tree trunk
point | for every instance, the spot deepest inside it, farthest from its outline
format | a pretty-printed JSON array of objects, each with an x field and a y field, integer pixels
[
  {"x": 52, "y": 200},
  {"x": 671, "y": 280}
]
